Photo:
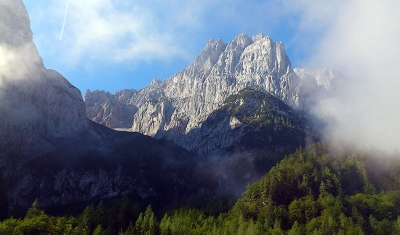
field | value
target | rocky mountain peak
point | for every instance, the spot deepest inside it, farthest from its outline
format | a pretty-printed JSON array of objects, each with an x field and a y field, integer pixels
[
  {"x": 155, "y": 81},
  {"x": 50, "y": 151},
  {"x": 257, "y": 37},
  {"x": 208, "y": 57},
  {"x": 242, "y": 39},
  {"x": 174, "y": 107},
  {"x": 185, "y": 100},
  {"x": 267, "y": 57}
]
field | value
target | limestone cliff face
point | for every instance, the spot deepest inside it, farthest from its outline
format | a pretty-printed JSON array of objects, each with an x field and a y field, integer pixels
[{"x": 176, "y": 106}]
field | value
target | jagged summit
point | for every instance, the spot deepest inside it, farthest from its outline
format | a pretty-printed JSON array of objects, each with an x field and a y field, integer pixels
[
  {"x": 155, "y": 81},
  {"x": 226, "y": 56}
]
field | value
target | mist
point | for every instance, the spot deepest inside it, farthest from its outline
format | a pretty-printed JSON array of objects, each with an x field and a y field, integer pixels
[
  {"x": 19, "y": 60},
  {"x": 362, "y": 41}
]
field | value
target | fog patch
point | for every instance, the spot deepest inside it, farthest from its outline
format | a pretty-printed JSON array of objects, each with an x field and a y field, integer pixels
[
  {"x": 362, "y": 41},
  {"x": 228, "y": 175},
  {"x": 19, "y": 58}
]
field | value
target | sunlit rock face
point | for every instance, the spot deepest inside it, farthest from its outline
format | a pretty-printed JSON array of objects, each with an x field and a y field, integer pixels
[
  {"x": 184, "y": 101},
  {"x": 175, "y": 106}
]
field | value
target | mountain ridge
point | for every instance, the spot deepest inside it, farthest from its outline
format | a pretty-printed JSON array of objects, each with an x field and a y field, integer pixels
[
  {"x": 184, "y": 101},
  {"x": 51, "y": 151}
]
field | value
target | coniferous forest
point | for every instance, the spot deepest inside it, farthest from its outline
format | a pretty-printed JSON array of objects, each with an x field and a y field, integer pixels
[{"x": 313, "y": 191}]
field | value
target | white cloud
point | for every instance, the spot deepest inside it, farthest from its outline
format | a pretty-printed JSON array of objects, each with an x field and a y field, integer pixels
[
  {"x": 129, "y": 31},
  {"x": 106, "y": 31},
  {"x": 363, "y": 43}
]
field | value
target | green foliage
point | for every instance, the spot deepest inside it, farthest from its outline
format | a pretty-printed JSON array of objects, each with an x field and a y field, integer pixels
[{"x": 308, "y": 192}]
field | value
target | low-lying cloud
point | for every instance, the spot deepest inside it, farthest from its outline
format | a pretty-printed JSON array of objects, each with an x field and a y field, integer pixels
[
  {"x": 362, "y": 41},
  {"x": 19, "y": 58}
]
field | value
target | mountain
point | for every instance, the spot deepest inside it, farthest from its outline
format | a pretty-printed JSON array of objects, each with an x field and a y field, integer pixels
[
  {"x": 247, "y": 135},
  {"x": 50, "y": 151},
  {"x": 233, "y": 113},
  {"x": 250, "y": 119},
  {"x": 181, "y": 103}
]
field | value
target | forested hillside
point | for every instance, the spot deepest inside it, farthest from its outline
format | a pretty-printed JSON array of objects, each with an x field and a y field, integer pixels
[{"x": 313, "y": 191}]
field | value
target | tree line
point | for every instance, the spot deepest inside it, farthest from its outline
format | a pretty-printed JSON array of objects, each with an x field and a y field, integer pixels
[{"x": 312, "y": 191}]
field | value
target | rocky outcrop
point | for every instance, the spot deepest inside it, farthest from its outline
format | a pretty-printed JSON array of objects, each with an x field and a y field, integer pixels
[
  {"x": 114, "y": 111},
  {"x": 251, "y": 120}
]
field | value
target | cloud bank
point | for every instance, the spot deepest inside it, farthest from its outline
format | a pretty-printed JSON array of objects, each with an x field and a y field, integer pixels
[{"x": 362, "y": 41}]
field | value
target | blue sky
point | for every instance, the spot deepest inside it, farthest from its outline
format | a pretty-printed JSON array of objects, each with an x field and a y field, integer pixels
[{"x": 115, "y": 44}]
